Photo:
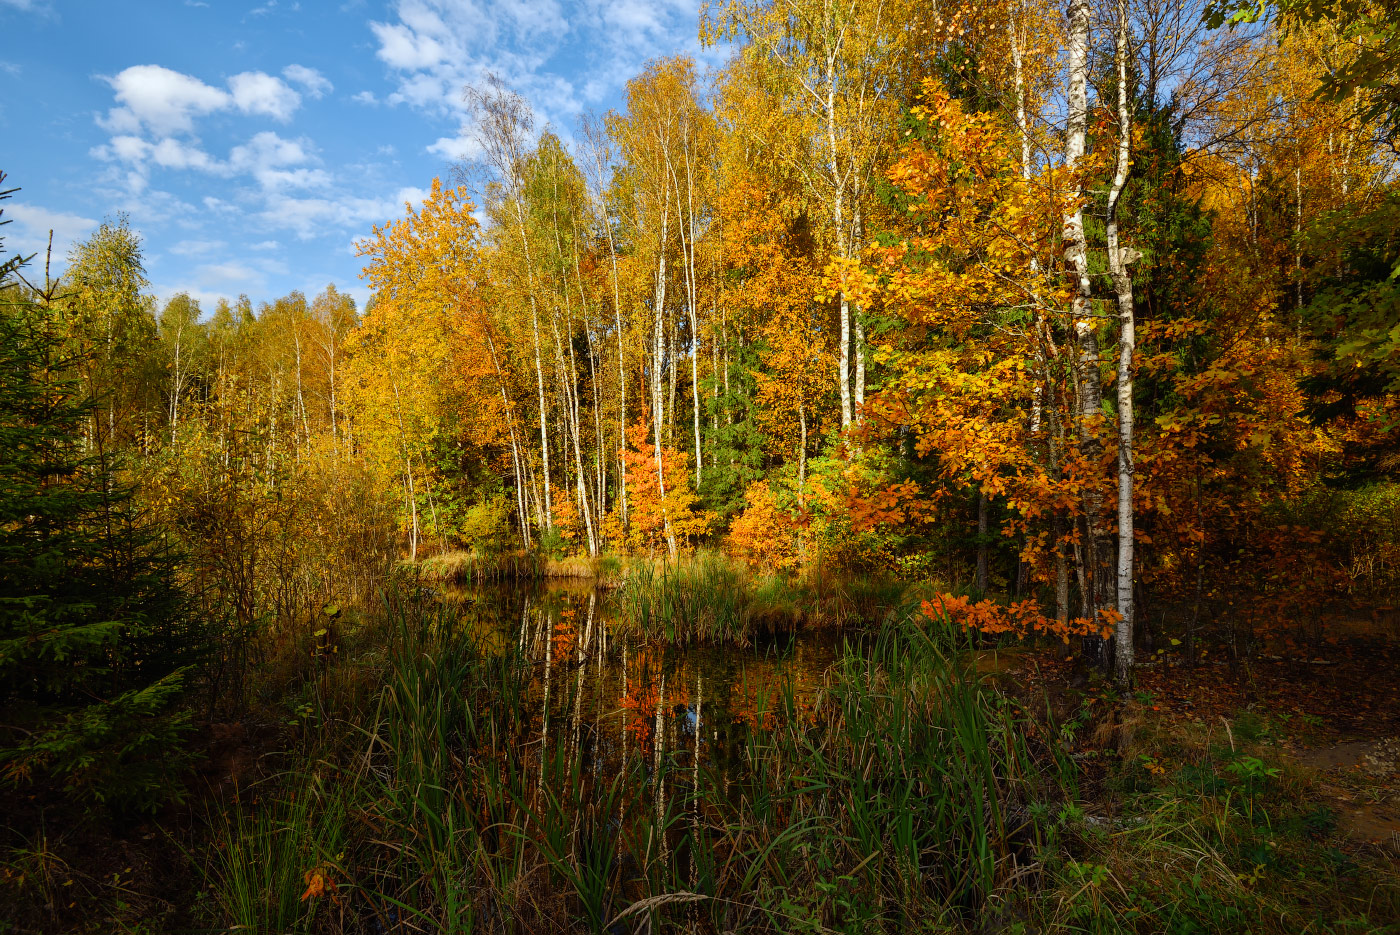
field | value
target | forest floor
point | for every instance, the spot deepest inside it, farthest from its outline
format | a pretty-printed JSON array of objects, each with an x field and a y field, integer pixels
[{"x": 1332, "y": 714}]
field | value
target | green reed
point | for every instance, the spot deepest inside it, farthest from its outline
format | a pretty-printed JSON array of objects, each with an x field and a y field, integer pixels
[{"x": 901, "y": 794}]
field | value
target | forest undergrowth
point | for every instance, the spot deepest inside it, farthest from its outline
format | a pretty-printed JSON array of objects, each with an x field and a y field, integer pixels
[{"x": 399, "y": 778}]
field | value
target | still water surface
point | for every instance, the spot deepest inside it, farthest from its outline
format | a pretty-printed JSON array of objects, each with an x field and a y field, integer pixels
[{"x": 607, "y": 700}]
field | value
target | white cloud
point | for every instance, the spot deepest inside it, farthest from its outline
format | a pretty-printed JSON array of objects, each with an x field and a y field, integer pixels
[
  {"x": 309, "y": 217},
  {"x": 311, "y": 81},
  {"x": 273, "y": 162},
  {"x": 207, "y": 298},
  {"x": 456, "y": 147},
  {"x": 228, "y": 271},
  {"x": 405, "y": 48},
  {"x": 29, "y": 232},
  {"x": 561, "y": 56},
  {"x": 196, "y": 247},
  {"x": 265, "y": 245},
  {"x": 365, "y": 97},
  {"x": 255, "y": 92},
  {"x": 161, "y": 100},
  {"x": 170, "y": 153},
  {"x": 166, "y": 102}
]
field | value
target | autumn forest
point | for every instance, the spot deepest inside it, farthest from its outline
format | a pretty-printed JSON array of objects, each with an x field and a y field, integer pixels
[{"x": 939, "y": 471}]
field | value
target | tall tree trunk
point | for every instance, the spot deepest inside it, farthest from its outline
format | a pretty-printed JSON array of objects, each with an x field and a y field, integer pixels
[
  {"x": 1095, "y": 562},
  {"x": 691, "y": 285},
  {"x": 858, "y": 332},
  {"x": 517, "y": 461},
  {"x": 838, "y": 220},
  {"x": 544, "y": 416},
  {"x": 301, "y": 399},
  {"x": 1022, "y": 125},
  {"x": 1119, "y": 259},
  {"x": 658, "y": 413}
]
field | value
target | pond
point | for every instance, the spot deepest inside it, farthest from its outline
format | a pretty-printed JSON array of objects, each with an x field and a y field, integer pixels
[{"x": 608, "y": 700}]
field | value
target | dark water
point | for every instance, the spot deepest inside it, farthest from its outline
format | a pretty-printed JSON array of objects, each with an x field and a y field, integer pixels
[{"x": 604, "y": 700}]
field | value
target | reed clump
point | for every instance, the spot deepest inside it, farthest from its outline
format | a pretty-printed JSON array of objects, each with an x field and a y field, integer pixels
[
  {"x": 707, "y": 597},
  {"x": 471, "y": 565}
]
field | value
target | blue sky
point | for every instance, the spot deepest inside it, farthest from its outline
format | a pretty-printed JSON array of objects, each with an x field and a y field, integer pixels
[{"x": 252, "y": 142}]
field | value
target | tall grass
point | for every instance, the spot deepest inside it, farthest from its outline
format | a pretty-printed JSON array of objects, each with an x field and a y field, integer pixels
[
  {"x": 903, "y": 794},
  {"x": 709, "y": 598},
  {"x": 477, "y": 566}
]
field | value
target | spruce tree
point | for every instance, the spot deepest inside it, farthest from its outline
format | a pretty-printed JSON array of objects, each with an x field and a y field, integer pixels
[{"x": 95, "y": 642}]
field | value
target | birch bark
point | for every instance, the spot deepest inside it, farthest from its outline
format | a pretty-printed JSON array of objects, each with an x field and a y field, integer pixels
[{"x": 1119, "y": 258}]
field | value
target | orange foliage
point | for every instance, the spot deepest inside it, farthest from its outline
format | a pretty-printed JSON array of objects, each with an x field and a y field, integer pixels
[
  {"x": 762, "y": 534},
  {"x": 1023, "y": 618},
  {"x": 649, "y": 513}
]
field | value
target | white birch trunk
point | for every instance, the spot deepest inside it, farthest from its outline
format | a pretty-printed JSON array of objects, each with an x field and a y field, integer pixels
[{"x": 1119, "y": 258}]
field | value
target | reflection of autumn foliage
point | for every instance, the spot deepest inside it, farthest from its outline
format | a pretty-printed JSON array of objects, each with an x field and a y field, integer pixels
[
  {"x": 641, "y": 694},
  {"x": 648, "y": 511},
  {"x": 564, "y": 633},
  {"x": 762, "y": 534},
  {"x": 1022, "y": 618}
]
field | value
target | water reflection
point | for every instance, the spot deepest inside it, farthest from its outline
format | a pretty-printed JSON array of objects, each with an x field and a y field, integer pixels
[{"x": 600, "y": 702}]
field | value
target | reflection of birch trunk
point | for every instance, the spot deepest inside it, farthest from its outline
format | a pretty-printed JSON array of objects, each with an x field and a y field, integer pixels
[
  {"x": 578, "y": 727},
  {"x": 802, "y": 473},
  {"x": 695, "y": 784},
  {"x": 622, "y": 761},
  {"x": 547, "y": 625},
  {"x": 658, "y": 748}
]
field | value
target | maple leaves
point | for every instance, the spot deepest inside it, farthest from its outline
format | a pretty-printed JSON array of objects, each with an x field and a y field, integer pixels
[
  {"x": 1021, "y": 618},
  {"x": 762, "y": 535},
  {"x": 657, "y": 514}
]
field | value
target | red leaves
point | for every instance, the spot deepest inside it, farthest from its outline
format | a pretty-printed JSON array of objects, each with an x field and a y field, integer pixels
[{"x": 1021, "y": 619}]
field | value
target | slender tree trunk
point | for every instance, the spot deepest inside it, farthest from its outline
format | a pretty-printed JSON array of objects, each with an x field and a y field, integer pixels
[
  {"x": 838, "y": 221},
  {"x": 658, "y": 413},
  {"x": 517, "y": 462},
  {"x": 1119, "y": 259},
  {"x": 981, "y": 542},
  {"x": 301, "y": 398},
  {"x": 858, "y": 332},
  {"x": 1095, "y": 562},
  {"x": 691, "y": 284},
  {"x": 1022, "y": 125}
]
